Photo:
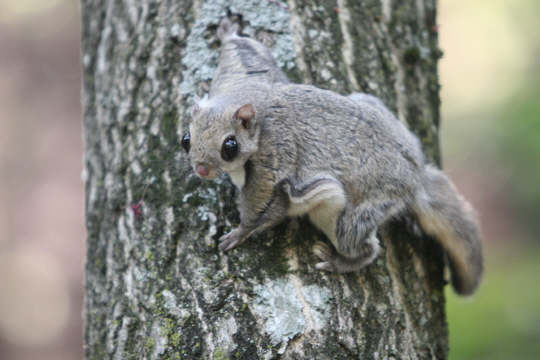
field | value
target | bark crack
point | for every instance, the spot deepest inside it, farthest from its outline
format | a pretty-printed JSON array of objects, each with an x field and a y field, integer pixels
[{"x": 348, "y": 47}]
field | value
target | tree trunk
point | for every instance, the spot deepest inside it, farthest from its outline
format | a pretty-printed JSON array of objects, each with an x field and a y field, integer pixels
[{"x": 156, "y": 285}]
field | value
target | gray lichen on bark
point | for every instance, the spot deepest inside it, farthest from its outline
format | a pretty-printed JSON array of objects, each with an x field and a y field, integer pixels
[{"x": 156, "y": 286}]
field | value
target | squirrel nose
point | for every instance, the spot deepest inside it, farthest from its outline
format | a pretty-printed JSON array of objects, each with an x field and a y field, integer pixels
[{"x": 202, "y": 170}]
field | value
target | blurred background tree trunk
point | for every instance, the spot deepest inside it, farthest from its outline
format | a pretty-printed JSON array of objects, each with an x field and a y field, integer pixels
[{"x": 156, "y": 285}]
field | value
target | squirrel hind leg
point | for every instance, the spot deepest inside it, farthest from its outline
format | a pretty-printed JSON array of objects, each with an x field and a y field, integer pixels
[
  {"x": 355, "y": 242},
  {"x": 352, "y": 230},
  {"x": 335, "y": 262}
]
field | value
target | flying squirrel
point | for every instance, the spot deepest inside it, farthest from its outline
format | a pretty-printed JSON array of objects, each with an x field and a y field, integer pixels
[{"x": 345, "y": 161}]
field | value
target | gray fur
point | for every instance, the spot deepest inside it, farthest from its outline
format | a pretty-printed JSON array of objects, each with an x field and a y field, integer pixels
[
  {"x": 346, "y": 162},
  {"x": 242, "y": 60}
]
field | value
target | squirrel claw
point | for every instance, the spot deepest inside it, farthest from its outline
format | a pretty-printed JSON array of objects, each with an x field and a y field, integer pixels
[
  {"x": 230, "y": 241},
  {"x": 328, "y": 266},
  {"x": 324, "y": 252}
]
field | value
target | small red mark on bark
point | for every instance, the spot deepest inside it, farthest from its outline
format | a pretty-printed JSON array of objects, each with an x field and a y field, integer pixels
[{"x": 135, "y": 207}]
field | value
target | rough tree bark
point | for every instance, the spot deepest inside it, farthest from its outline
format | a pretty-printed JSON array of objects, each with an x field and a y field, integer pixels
[{"x": 156, "y": 285}]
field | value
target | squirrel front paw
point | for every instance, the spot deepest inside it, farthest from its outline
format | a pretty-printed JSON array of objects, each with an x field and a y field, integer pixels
[{"x": 231, "y": 240}]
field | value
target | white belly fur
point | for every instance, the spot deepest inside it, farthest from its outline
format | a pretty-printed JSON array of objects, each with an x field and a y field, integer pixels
[{"x": 323, "y": 205}]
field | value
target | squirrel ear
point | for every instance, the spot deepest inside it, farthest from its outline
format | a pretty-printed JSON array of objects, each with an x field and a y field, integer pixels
[
  {"x": 198, "y": 104},
  {"x": 245, "y": 114}
]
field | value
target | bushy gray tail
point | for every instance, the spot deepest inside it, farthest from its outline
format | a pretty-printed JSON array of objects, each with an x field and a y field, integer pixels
[{"x": 445, "y": 215}]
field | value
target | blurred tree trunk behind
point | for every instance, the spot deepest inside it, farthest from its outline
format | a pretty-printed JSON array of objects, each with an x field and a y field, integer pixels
[{"x": 156, "y": 286}]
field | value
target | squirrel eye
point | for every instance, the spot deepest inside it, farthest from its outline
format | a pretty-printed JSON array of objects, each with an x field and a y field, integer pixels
[
  {"x": 229, "y": 149},
  {"x": 185, "y": 142}
]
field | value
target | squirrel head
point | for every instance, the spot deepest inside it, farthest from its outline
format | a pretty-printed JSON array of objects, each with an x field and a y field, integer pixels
[{"x": 222, "y": 136}]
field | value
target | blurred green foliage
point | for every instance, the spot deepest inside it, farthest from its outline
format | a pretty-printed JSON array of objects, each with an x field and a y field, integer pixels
[
  {"x": 519, "y": 136},
  {"x": 502, "y": 321}
]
